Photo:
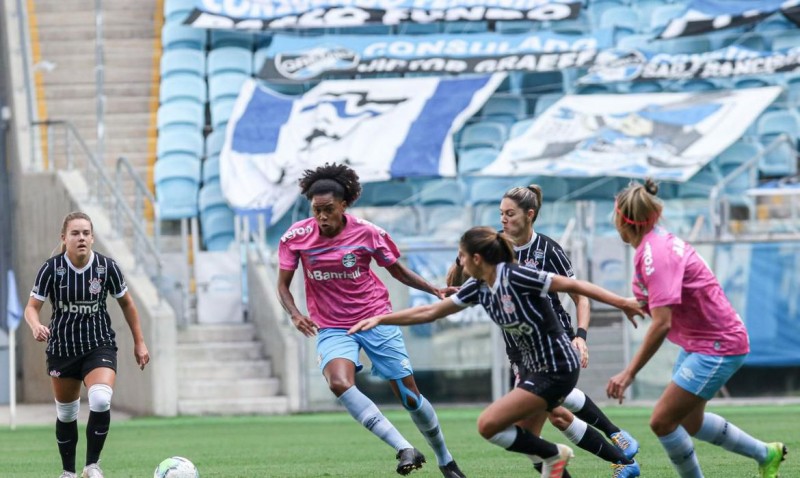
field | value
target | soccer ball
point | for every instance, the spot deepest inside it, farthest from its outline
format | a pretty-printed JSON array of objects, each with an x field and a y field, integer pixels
[{"x": 176, "y": 467}]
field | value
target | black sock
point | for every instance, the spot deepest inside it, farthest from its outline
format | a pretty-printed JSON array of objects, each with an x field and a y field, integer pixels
[
  {"x": 538, "y": 468},
  {"x": 591, "y": 414},
  {"x": 67, "y": 439},
  {"x": 529, "y": 444},
  {"x": 96, "y": 432},
  {"x": 594, "y": 443}
]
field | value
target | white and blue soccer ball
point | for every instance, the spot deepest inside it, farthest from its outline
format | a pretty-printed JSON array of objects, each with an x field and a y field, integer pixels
[{"x": 176, "y": 467}]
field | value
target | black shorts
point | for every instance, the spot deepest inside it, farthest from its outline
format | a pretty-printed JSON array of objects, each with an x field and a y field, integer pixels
[
  {"x": 552, "y": 387},
  {"x": 80, "y": 366}
]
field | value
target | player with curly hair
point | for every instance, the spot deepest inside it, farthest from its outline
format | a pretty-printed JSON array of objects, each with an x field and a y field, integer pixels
[{"x": 336, "y": 249}]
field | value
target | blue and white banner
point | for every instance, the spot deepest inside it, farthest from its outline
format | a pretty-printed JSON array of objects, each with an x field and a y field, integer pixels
[
  {"x": 704, "y": 16},
  {"x": 733, "y": 61},
  {"x": 279, "y": 14},
  {"x": 300, "y": 59},
  {"x": 789, "y": 186},
  {"x": 382, "y": 128},
  {"x": 667, "y": 136}
]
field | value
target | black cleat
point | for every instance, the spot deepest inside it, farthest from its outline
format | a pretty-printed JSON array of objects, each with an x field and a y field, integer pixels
[
  {"x": 408, "y": 460},
  {"x": 451, "y": 470}
]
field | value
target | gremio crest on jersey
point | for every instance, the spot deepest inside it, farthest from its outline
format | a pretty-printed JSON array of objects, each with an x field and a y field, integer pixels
[
  {"x": 349, "y": 260},
  {"x": 95, "y": 286}
]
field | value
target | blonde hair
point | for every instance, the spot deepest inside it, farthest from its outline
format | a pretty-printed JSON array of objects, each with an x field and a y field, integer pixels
[
  {"x": 527, "y": 198},
  {"x": 637, "y": 207},
  {"x": 69, "y": 218}
]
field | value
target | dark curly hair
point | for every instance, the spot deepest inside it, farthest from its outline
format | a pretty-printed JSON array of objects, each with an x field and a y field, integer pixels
[{"x": 336, "y": 179}]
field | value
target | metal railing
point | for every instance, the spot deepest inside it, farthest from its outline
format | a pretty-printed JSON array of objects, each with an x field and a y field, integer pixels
[{"x": 107, "y": 193}]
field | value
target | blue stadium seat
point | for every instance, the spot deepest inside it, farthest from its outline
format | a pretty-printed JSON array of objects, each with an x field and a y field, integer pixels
[
  {"x": 699, "y": 185},
  {"x": 692, "y": 44},
  {"x": 176, "y": 36},
  {"x": 576, "y": 26},
  {"x": 597, "y": 9},
  {"x": 262, "y": 40},
  {"x": 221, "y": 112},
  {"x": 645, "y": 87},
  {"x": 183, "y": 87},
  {"x": 177, "y": 180},
  {"x": 218, "y": 231},
  {"x": 506, "y": 109},
  {"x": 621, "y": 19},
  {"x": 531, "y": 83},
  {"x": 230, "y": 59},
  {"x": 225, "y": 85},
  {"x": 514, "y": 26},
  {"x": 646, "y": 7},
  {"x": 386, "y": 193},
  {"x": 488, "y": 189},
  {"x": 773, "y": 123},
  {"x": 788, "y": 39},
  {"x": 441, "y": 192},
  {"x": 231, "y": 38},
  {"x": 484, "y": 134},
  {"x": 751, "y": 40},
  {"x": 176, "y": 141},
  {"x": 488, "y": 215},
  {"x": 211, "y": 169},
  {"x": 759, "y": 81},
  {"x": 553, "y": 187},
  {"x": 183, "y": 61},
  {"x": 182, "y": 115},
  {"x": 543, "y": 102},
  {"x": 661, "y": 16},
  {"x": 520, "y": 127},
  {"x": 419, "y": 28},
  {"x": 444, "y": 222},
  {"x": 604, "y": 217},
  {"x": 475, "y": 159},
  {"x": 774, "y": 23},
  {"x": 696, "y": 84},
  {"x": 640, "y": 42},
  {"x": 465, "y": 27},
  {"x": 214, "y": 142},
  {"x": 176, "y": 11},
  {"x": 735, "y": 155},
  {"x": 675, "y": 218},
  {"x": 594, "y": 89},
  {"x": 595, "y": 189}
]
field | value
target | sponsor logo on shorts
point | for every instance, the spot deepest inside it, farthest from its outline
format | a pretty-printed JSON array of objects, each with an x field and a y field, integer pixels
[
  {"x": 95, "y": 286},
  {"x": 106, "y": 360},
  {"x": 686, "y": 373},
  {"x": 406, "y": 364},
  {"x": 349, "y": 260}
]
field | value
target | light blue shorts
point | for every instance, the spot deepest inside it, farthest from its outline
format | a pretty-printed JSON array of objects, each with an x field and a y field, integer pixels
[
  {"x": 383, "y": 345},
  {"x": 703, "y": 375}
]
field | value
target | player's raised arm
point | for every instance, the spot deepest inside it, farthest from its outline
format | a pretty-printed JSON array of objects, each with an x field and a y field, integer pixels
[
  {"x": 415, "y": 315},
  {"x": 630, "y": 307}
]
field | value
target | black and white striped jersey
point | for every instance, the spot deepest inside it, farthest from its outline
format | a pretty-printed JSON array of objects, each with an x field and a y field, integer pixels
[
  {"x": 518, "y": 303},
  {"x": 80, "y": 320}
]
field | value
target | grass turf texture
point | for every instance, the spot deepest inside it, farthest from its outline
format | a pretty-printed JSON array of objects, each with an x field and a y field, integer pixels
[{"x": 333, "y": 445}]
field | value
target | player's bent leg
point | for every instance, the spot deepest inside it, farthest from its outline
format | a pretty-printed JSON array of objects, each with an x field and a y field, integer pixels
[
  {"x": 584, "y": 408},
  {"x": 674, "y": 406}
]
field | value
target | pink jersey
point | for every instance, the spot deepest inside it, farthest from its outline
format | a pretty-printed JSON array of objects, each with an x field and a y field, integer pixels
[
  {"x": 341, "y": 289},
  {"x": 669, "y": 272}
]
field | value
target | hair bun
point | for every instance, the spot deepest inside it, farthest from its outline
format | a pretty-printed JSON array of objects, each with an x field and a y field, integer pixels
[{"x": 651, "y": 186}]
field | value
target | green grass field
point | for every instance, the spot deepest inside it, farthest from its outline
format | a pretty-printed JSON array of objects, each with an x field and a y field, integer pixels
[{"x": 333, "y": 445}]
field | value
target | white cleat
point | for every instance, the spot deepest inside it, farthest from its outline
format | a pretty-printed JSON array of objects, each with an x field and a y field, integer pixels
[
  {"x": 92, "y": 471},
  {"x": 554, "y": 467},
  {"x": 67, "y": 474}
]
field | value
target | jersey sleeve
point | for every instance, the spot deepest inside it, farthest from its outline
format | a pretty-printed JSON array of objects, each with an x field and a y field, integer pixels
[
  {"x": 559, "y": 262},
  {"x": 663, "y": 278},
  {"x": 467, "y": 295},
  {"x": 530, "y": 279},
  {"x": 385, "y": 252},
  {"x": 288, "y": 259},
  {"x": 43, "y": 285},
  {"x": 116, "y": 280}
]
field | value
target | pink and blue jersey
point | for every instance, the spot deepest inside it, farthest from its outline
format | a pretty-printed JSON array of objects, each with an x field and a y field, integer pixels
[
  {"x": 669, "y": 272},
  {"x": 341, "y": 289}
]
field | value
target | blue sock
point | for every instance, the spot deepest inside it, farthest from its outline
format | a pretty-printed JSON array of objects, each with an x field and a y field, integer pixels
[
  {"x": 366, "y": 413},
  {"x": 718, "y": 431},
  {"x": 680, "y": 451},
  {"x": 427, "y": 422}
]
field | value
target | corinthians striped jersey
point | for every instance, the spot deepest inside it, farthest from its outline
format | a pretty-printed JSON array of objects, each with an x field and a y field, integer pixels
[
  {"x": 80, "y": 320},
  {"x": 519, "y": 304}
]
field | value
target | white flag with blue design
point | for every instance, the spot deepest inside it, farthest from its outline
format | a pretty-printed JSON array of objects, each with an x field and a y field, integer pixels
[{"x": 382, "y": 128}]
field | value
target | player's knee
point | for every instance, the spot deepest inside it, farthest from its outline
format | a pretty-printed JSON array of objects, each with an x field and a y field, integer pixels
[
  {"x": 410, "y": 399},
  {"x": 575, "y": 400},
  {"x": 661, "y": 425},
  {"x": 560, "y": 420},
  {"x": 68, "y": 412},
  {"x": 339, "y": 385},
  {"x": 488, "y": 427},
  {"x": 100, "y": 397}
]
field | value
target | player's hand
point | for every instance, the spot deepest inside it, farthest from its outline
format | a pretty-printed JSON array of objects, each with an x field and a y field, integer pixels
[
  {"x": 618, "y": 384},
  {"x": 365, "y": 324},
  {"x": 305, "y": 325},
  {"x": 445, "y": 292},
  {"x": 583, "y": 350},
  {"x": 141, "y": 354},
  {"x": 40, "y": 332},
  {"x": 633, "y": 310}
]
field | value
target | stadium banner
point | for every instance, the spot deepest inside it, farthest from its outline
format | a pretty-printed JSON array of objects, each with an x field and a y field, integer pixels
[
  {"x": 788, "y": 186},
  {"x": 706, "y": 16},
  {"x": 762, "y": 280},
  {"x": 281, "y": 14},
  {"x": 382, "y": 128},
  {"x": 667, "y": 136},
  {"x": 632, "y": 65},
  {"x": 300, "y": 59}
]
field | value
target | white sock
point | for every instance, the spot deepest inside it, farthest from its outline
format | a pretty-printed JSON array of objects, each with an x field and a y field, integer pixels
[
  {"x": 680, "y": 451},
  {"x": 366, "y": 413},
  {"x": 574, "y": 401},
  {"x": 576, "y": 430},
  {"x": 718, "y": 431},
  {"x": 427, "y": 422}
]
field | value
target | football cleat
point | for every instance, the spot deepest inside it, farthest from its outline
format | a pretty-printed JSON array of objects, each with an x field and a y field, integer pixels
[
  {"x": 451, "y": 470},
  {"x": 408, "y": 460},
  {"x": 776, "y": 453},
  {"x": 626, "y": 443}
]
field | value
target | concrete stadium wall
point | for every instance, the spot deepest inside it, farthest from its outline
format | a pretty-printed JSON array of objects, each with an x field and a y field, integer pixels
[{"x": 41, "y": 201}]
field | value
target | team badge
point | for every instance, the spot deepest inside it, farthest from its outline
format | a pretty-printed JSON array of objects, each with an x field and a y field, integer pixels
[
  {"x": 538, "y": 254},
  {"x": 349, "y": 260},
  {"x": 95, "y": 286},
  {"x": 60, "y": 271},
  {"x": 508, "y": 304},
  {"x": 530, "y": 263},
  {"x": 101, "y": 270}
]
